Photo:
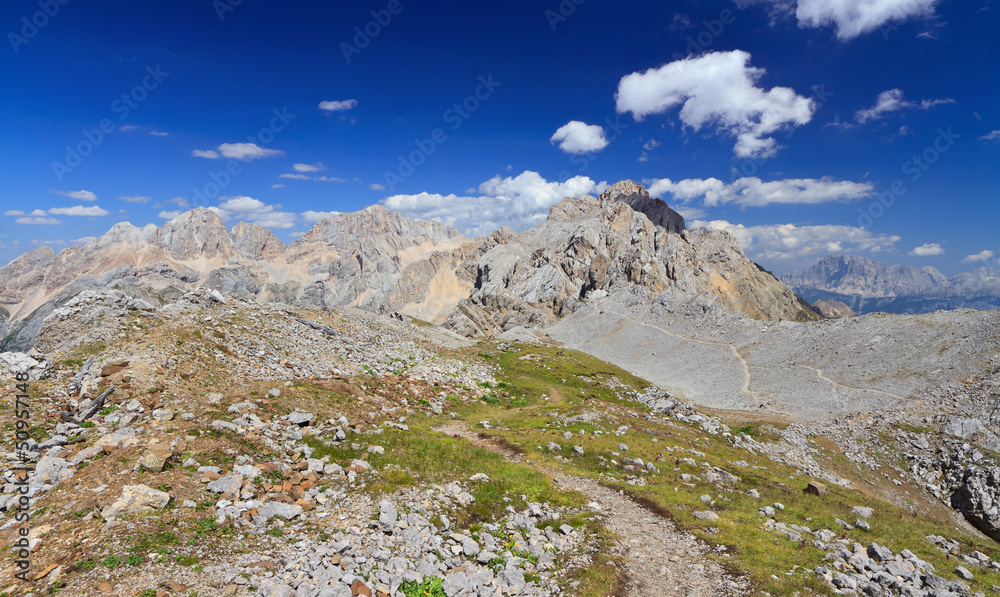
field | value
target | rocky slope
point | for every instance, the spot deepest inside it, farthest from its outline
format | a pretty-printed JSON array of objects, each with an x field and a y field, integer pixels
[
  {"x": 380, "y": 261},
  {"x": 217, "y": 445},
  {"x": 867, "y": 286}
]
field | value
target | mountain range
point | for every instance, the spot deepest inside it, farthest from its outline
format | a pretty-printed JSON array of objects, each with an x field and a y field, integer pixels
[
  {"x": 868, "y": 286},
  {"x": 375, "y": 259}
]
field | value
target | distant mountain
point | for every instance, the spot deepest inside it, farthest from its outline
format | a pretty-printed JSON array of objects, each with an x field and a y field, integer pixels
[
  {"x": 378, "y": 260},
  {"x": 868, "y": 286}
]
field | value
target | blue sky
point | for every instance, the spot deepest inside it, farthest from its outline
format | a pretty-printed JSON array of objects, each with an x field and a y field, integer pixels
[{"x": 794, "y": 124}]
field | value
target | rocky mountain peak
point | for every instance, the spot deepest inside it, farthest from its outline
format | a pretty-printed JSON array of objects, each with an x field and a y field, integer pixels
[
  {"x": 256, "y": 242},
  {"x": 637, "y": 197},
  {"x": 195, "y": 233}
]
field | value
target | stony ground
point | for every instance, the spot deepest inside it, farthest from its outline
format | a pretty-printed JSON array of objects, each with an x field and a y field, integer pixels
[{"x": 243, "y": 449}]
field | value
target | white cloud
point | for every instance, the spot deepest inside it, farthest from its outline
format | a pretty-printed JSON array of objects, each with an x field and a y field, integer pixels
[
  {"x": 128, "y": 127},
  {"x": 316, "y": 178},
  {"x": 580, "y": 137},
  {"x": 309, "y": 167},
  {"x": 79, "y": 210},
  {"x": 78, "y": 195},
  {"x": 376, "y": 186},
  {"x": 248, "y": 209},
  {"x": 689, "y": 213},
  {"x": 855, "y": 17},
  {"x": 18, "y": 212},
  {"x": 790, "y": 245},
  {"x": 337, "y": 106},
  {"x": 717, "y": 90},
  {"x": 38, "y": 220},
  {"x": 237, "y": 151},
  {"x": 753, "y": 192},
  {"x": 179, "y": 202},
  {"x": 135, "y": 199},
  {"x": 315, "y": 216},
  {"x": 159, "y": 134},
  {"x": 247, "y": 151},
  {"x": 519, "y": 202},
  {"x": 980, "y": 256},
  {"x": 277, "y": 186},
  {"x": 991, "y": 136},
  {"x": 169, "y": 215},
  {"x": 927, "y": 250},
  {"x": 893, "y": 100},
  {"x": 297, "y": 234}
]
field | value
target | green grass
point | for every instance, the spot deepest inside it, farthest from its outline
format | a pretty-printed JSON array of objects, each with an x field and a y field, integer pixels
[
  {"x": 531, "y": 372},
  {"x": 431, "y": 587}
]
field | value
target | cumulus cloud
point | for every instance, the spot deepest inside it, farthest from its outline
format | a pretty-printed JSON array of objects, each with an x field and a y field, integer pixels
[
  {"x": 580, "y": 137},
  {"x": 18, "y": 212},
  {"x": 754, "y": 192},
  {"x": 79, "y": 210},
  {"x": 169, "y": 215},
  {"x": 991, "y": 136},
  {"x": 789, "y": 245},
  {"x": 135, "y": 199},
  {"x": 856, "y": 17},
  {"x": 159, "y": 134},
  {"x": 519, "y": 202},
  {"x": 719, "y": 90},
  {"x": 237, "y": 151},
  {"x": 255, "y": 211},
  {"x": 894, "y": 100},
  {"x": 338, "y": 106},
  {"x": 309, "y": 167},
  {"x": 980, "y": 256},
  {"x": 78, "y": 195},
  {"x": 315, "y": 216},
  {"x": 179, "y": 202},
  {"x": 247, "y": 151},
  {"x": 927, "y": 250},
  {"x": 37, "y": 220},
  {"x": 295, "y": 176},
  {"x": 376, "y": 186}
]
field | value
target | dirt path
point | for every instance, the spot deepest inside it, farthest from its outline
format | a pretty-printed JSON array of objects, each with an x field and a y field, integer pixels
[
  {"x": 819, "y": 373},
  {"x": 659, "y": 559}
]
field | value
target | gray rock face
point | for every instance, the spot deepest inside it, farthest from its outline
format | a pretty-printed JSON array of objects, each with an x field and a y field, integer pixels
[
  {"x": 381, "y": 261},
  {"x": 591, "y": 248},
  {"x": 978, "y": 499},
  {"x": 229, "y": 484},
  {"x": 136, "y": 499}
]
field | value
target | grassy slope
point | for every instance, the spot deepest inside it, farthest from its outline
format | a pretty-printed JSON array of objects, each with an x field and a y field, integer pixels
[{"x": 584, "y": 384}]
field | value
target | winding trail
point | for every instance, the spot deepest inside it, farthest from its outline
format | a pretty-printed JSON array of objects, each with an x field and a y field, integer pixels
[
  {"x": 746, "y": 366},
  {"x": 659, "y": 559},
  {"x": 819, "y": 373}
]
